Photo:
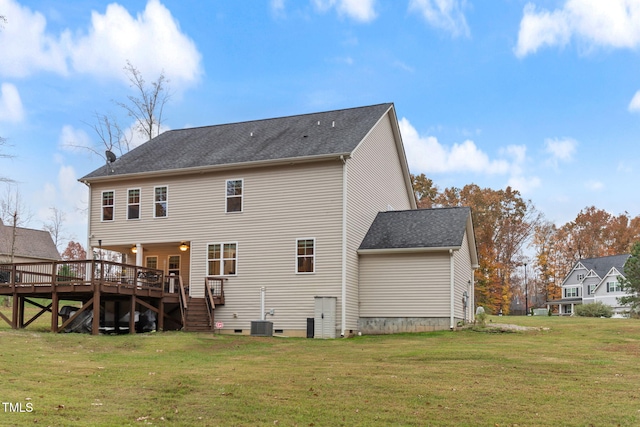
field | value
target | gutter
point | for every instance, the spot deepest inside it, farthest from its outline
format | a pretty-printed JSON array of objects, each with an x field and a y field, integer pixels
[
  {"x": 216, "y": 168},
  {"x": 407, "y": 250}
]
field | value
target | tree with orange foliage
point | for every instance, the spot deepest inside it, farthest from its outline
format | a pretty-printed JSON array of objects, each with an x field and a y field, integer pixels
[{"x": 74, "y": 251}]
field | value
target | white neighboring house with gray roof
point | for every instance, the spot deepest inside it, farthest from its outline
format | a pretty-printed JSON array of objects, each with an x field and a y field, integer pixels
[
  {"x": 282, "y": 203},
  {"x": 591, "y": 280}
]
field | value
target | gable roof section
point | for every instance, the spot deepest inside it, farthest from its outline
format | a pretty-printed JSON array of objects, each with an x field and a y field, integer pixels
[
  {"x": 600, "y": 265},
  {"x": 301, "y": 137},
  {"x": 29, "y": 243},
  {"x": 420, "y": 229}
]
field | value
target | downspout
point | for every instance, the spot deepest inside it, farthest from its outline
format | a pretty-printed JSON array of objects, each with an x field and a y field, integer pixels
[
  {"x": 451, "y": 280},
  {"x": 344, "y": 246}
]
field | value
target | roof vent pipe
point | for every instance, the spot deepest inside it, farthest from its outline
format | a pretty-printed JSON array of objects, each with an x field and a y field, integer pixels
[
  {"x": 251, "y": 133},
  {"x": 333, "y": 124}
]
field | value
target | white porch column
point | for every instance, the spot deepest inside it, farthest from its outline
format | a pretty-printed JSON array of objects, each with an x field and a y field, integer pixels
[{"x": 139, "y": 255}]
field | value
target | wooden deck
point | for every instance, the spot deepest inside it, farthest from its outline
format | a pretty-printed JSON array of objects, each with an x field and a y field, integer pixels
[{"x": 106, "y": 289}]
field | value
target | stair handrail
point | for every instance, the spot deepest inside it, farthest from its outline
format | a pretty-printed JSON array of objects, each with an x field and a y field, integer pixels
[
  {"x": 183, "y": 300},
  {"x": 211, "y": 305}
]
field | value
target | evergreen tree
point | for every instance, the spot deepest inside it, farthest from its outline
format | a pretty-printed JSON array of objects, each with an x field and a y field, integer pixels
[{"x": 631, "y": 282}]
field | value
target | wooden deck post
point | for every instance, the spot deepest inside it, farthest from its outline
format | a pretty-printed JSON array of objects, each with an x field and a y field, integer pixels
[
  {"x": 160, "y": 324},
  {"x": 14, "y": 312},
  {"x": 132, "y": 315},
  {"x": 21, "y": 313},
  {"x": 95, "y": 325},
  {"x": 54, "y": 311}
]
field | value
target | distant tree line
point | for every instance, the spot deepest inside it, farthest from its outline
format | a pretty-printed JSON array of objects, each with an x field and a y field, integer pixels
[{"x": 506, "y": 225}]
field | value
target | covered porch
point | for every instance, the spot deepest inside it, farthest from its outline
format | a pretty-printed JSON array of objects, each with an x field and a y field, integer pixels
[
  {"x": 566, "y": 306},
  {"x": 173, "y": 259}
]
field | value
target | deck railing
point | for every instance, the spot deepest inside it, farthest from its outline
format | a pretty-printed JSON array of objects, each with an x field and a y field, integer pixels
[
  {"x": 81, "y": 272},
  {"x": 215, "y": 285}
]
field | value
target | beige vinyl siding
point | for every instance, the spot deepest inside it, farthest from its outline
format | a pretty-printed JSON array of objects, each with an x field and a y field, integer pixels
[
  {"x": 280, "y": 205},
  {"x": 375, "y": 180},
  {"x": 405, "y": 285},
  {"x": 462, "y": 274}
]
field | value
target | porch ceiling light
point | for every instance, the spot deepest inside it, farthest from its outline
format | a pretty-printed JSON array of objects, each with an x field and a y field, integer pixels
[
  {"x": 134, "y": 249},
  {"x": 184, "y": 246}
]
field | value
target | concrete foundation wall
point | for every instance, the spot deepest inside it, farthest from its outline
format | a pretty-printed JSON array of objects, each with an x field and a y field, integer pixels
[{"x": 394, "y": 325}]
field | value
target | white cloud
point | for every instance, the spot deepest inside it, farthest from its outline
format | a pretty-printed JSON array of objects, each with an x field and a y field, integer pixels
[
  {"x": 360, "y": 10},
  {"x": 69, "y": 196},
  {"x": 446, "y": 15},
  {"x": 611, "y": 23},
  {"x": 428, "y": 155},
  {"x": 560, "y": 149},
  {"x": 152, "y": 41},
  {"x": 10, "y": 104},
  {"x": 594, "y": 185},
  {"x": 634, "y": 105},
  {"x": 72, "y": 139},
  {"x": 26, "y": 48}
]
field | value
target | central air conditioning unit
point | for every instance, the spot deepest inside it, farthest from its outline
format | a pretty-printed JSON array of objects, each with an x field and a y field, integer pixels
[{"x": 261, "y": 328}]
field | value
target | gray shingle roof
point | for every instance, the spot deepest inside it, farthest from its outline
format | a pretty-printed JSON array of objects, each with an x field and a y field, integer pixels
[
  {"x": 421, "y": 228},
  {"x": 29, "y": 243},
  {"x": 307, "y": 135},
  {"x": 602, "y": 265}
]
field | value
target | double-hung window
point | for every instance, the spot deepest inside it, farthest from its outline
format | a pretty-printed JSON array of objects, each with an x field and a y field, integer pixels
[
  {"x": 591, "y": 289},
  {"x": 571, "y": 293},
  {"x": 222, "y": 259},
  {"x": 234, "y": 195},
  {"x": 161, "y": 200},
  {"x": 108, "y": 203},
  {"x": 133, "y": 203},
  {"x": 305, "y": 256},
  {"x": 614, "y": 287}
]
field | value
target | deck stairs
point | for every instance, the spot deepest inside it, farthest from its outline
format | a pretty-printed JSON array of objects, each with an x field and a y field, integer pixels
[{"x": 197, "y": 317}]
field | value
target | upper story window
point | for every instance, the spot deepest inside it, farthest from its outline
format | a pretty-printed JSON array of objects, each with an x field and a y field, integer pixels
[
  {"x": 571, "y": 292},
  {"x": 133, "y": 203},
  {"x": 614, "y": 287},
  {"x": 108, "y": 203},
  {"x": 591, "y": 289},
  {"x": 306, "y": 256},
  {"x": 234, "y": 195},
  {"x": 222, "y": 259},
  {"x": 161, "y": 208}
]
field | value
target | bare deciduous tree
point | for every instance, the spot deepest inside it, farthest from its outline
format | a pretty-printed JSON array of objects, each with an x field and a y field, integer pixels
[
  {"x": 55, "y": 226},
  {"x": 145, "y": 107},
  {"x": 14, "y": 214},
  {"x": 148, "y": 106}
]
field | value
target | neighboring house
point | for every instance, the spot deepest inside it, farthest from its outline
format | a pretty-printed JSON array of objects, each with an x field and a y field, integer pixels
[
  {"x": 28, "y": 245},
  {"x": 285, "y": 204},
  {"x": 591, "y": 280}
]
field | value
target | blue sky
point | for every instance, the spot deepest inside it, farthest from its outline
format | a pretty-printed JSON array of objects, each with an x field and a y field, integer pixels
[{"x": 541, "y": 95}]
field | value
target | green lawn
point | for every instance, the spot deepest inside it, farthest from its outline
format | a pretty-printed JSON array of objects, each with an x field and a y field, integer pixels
[{"x": 582, "y": 372}]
